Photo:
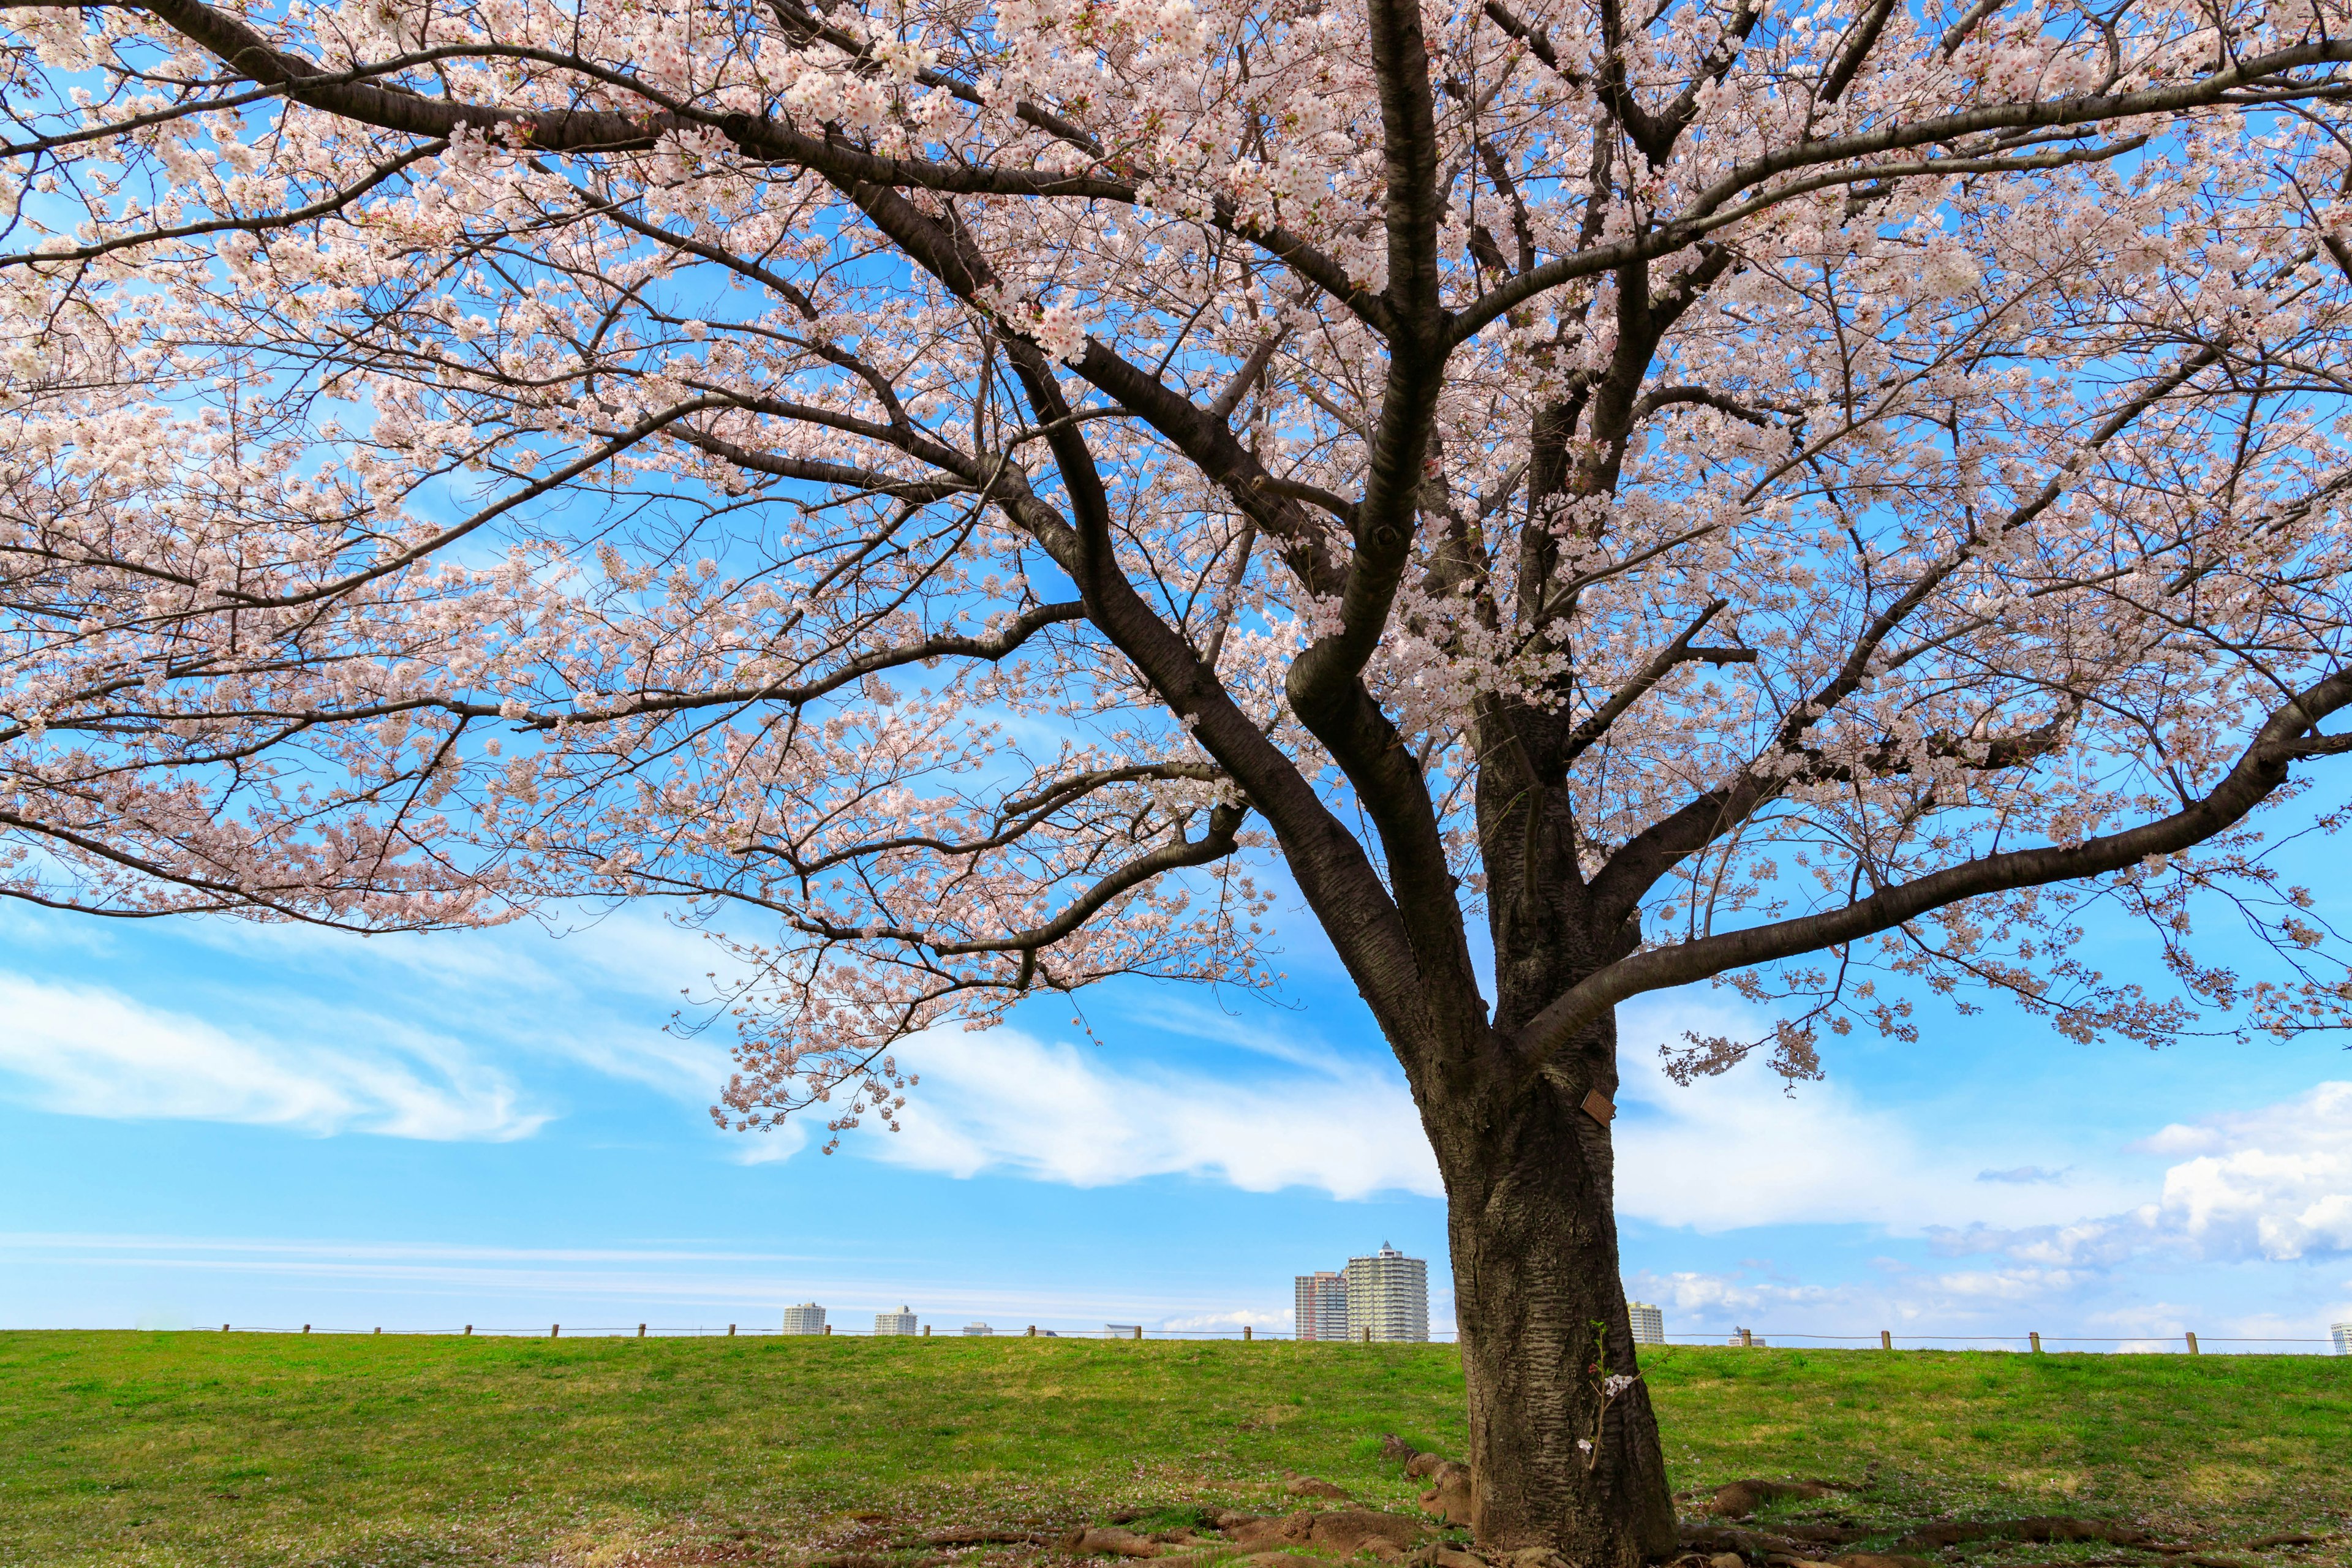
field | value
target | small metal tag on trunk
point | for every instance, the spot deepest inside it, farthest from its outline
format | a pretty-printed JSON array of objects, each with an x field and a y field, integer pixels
[{"x": 1597, "y": 1106}]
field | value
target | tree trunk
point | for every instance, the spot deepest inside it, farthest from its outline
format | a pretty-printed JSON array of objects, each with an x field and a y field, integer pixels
[{"x": 1531, "y": 1221}]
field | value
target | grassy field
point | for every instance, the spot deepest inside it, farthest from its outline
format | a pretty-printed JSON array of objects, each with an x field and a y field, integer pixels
[{"x": 195, "y": 1449}]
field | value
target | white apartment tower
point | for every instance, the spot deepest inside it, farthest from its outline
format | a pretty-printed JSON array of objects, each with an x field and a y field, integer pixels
[
  {"x": 1388, "y": 1297},
  {"x": 1322, "y": 1308},
  {"x": 2342, "y": 1334},
  {"x": 1649, "y": 1324},
  {"x": 901, "y": 1321},
  {"x": 808, "y": 1318}
]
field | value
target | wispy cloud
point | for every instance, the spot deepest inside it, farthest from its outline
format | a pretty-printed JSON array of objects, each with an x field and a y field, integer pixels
[
  {"x": 442, "y": 1286},
  {"x": 1004, "y": 1099},
  {"x": 2023, "y": 1175},
  {"x": 87, "y": 1052},
  {"x": 1250, "y": 1024},
  {"x": 401, "y": 1036},
  {"x": 568, "y": 991},
  {"x": 333, "y": 1251}
]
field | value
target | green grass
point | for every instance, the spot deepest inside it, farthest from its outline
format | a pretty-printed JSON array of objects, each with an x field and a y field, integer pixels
[{"x": 194, "y": 1448}]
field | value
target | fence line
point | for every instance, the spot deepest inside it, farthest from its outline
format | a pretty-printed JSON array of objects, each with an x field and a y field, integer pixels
[{"x": 1756, "y": 1339}]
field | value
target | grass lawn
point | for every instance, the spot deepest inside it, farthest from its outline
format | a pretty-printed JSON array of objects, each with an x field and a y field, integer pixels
[{"x": 209, "y": 1448}]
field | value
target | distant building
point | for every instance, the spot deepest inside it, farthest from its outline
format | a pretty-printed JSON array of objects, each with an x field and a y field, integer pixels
[
  {"x": 1388, "y": 1297},
  {"x": 1649, "y": 1324},
  {"x": 1123, "y": 1331},
  {"x": 2342, "y": 1334},
  {"x": 808, "y": 1318},
  {"x": 1745, "y": 1337},
  {"x": 901, "y": 1321},
  {"x": 977, "y": 1329},
  {"x": 1322, "y": 1310}
]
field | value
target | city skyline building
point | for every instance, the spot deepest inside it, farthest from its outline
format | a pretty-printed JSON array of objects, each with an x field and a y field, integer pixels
[
  {"x": 808, "y": 1318},
  {"x": 1388, "y": 1297},
  {"x": 1321, "y": 1308},
  {"x": 2342, "y": 1334},
  {"x": 977, "y": 1329},
  {"x": 901, "y": 1321},
  {"x": 1649, "y": 1324}
]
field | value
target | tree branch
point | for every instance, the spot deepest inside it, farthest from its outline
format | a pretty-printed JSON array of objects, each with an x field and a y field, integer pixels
[
  {"x": 2261, "y": 768},
  {"x": 1678, "y": 651}
]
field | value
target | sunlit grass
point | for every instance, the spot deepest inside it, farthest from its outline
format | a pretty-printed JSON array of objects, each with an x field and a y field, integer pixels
[{"x": 198, "y": 1448}]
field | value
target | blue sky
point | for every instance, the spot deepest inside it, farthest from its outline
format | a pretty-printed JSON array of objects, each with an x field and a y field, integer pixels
[{"x": 209, "y": 1121}]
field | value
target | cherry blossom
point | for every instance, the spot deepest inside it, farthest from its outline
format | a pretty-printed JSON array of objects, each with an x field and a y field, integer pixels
[{"x": 958, "y": 499}]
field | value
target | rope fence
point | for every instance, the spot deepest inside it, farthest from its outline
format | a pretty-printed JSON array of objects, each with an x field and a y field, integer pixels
[{"x": 2030, "y": 1344}]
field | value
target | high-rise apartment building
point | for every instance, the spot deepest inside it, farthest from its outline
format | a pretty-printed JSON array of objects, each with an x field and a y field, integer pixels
[
  {"x": 808, "y": 1318},
  {"x": 978, "y": 1330},
  {"x": 1322, "y": 1307},
  {"x": 1388, "y": 1297},
  {"x": 2342, "y": 1334},
  {"x": 901, "y": 1321},
  {"x": 1649, "y": 1324}
]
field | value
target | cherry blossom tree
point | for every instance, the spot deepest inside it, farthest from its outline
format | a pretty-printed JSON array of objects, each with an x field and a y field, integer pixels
[{"x": 969, "y": 498}]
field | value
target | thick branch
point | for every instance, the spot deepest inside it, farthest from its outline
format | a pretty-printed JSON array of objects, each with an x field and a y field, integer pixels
[
  {"x": 1219, "y": 841},
  {"x": 2261, "y": 768}
]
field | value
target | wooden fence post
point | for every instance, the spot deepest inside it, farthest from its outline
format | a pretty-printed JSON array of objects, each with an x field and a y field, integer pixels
[
  {"x": 641, "y": 1330},
  {"x": 379, "y": 1331},
  {"x": 1746, "y": 1339},
  {"x": 730, "y": 1330},
  {"x": 1886, "y": 1339},
  {"x": 828, "y": 1328},
  {"x": 2192, "y": 1342},
  {"x": 927, "y": 1331},
  {"x": 1139, "y": 1331},
  {"x": 1245, "y": 1331},
  {"x": 223, "y": 1328},
  {"x": 470, "y": 1330},
  {"x": 555, "y": 1331},
  {"x": 2036, "y": 1337},
  {"x": 1032, "y": 1333},
  {"x": 306, "y": 1327}
]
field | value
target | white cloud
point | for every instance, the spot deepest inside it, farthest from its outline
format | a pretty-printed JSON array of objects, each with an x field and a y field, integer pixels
[
  {"x": 1232, "y": 1320},
  {"x": 1688, "y": 1294},
  {"x": 1003, "y": 1100},
  {"x": 1998, "y": 1305},
  {"x": 1742, "y": 1149},
  {"x": 1724, "y": 1153},
  {"x": 770, "y": 1145},
  {"x": 2273, "y": 1184},
  {"x": 85, "y": 1051}
]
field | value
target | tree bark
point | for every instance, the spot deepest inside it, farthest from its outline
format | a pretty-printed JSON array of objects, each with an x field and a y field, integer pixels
[{"x": 1532, "y": 1227}]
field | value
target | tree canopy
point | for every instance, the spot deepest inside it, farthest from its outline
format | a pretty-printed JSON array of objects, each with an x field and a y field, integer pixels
[{"x": 970, "y": 496}]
